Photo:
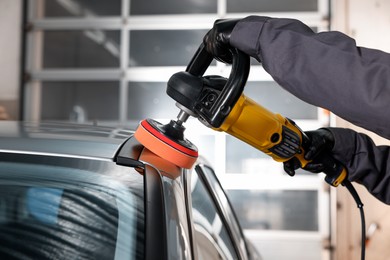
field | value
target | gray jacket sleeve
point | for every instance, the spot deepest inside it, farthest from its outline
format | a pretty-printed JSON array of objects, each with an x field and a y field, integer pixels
[
  {"x": 324, "y": 69},
  {"x": 366, "y": 163}
]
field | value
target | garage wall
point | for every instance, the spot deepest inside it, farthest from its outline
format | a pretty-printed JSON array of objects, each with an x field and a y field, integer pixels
[
  {"x": 10, "y": 23},
  {"x": 369, "y": 23}
]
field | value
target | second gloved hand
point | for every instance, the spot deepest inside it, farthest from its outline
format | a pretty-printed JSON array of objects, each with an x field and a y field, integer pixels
[
  {"x": 321, "y": 141},
  {"x": 217, "y": 39}
]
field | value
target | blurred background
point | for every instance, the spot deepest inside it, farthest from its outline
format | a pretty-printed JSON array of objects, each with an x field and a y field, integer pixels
[{"x": 107, "y": 63}]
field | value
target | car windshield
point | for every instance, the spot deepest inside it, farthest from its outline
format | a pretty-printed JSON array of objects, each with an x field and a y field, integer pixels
[{"x": 52, "y": 212}]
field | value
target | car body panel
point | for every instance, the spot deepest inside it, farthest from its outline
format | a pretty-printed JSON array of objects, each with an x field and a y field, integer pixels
[{"x": 62, "y": 139}]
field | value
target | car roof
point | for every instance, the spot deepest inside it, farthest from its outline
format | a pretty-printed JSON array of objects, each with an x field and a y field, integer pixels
[{"x": 66, "y": 139}]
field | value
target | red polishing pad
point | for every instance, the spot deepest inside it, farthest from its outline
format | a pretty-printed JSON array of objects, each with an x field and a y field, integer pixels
[{"x": 153, "y": 136}]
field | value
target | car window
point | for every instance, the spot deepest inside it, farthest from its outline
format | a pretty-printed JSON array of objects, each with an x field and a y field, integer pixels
[
  {"x": 49, "y": 212},
  {"x": 211, "y": 237}
]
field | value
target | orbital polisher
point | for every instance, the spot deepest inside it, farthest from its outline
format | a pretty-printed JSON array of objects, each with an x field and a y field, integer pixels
[{"x": 220, "y": 104}]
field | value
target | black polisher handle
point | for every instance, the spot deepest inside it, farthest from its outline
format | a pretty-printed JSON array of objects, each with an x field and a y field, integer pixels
[
  {"x": 199, "y": 62},
  {"x": 232, "y": 90}
]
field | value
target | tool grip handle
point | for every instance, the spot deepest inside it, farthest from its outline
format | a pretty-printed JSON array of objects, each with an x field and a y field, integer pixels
[
  {"x": 200, "y": 61},
  {"x": 334, "y": 170},
  {"x": 216, "y": 114}
]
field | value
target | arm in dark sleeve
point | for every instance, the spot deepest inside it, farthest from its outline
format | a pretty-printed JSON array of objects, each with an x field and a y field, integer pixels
[
  {"x": 366, "y": 163},
  {"x": 324, "y": 69}
]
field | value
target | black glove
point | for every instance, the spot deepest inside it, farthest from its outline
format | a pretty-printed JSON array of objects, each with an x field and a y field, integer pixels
[
  {"x": 217, "y": 39},
  {"x": 321, "y": 140}
]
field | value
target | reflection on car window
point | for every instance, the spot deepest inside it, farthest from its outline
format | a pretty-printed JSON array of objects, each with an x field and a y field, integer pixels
[
  {"x": 212, "y": 239},
  {"x": 59, "y": 213}
]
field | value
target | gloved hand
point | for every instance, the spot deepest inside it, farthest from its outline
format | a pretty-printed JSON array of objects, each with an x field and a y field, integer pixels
[
  {"x": 217, "y": 39},
  {"x": 321, "y": 140}
]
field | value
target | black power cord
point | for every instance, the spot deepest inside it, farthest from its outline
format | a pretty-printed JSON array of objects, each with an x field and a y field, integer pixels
[{"x": 359, "y": 203}]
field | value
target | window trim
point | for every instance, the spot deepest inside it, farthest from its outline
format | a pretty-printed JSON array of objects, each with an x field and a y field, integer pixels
[
  {"x": 155, "y": 219},
  {"x": 187, "y": 175},
  {"x": 222, "y": 214}
]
